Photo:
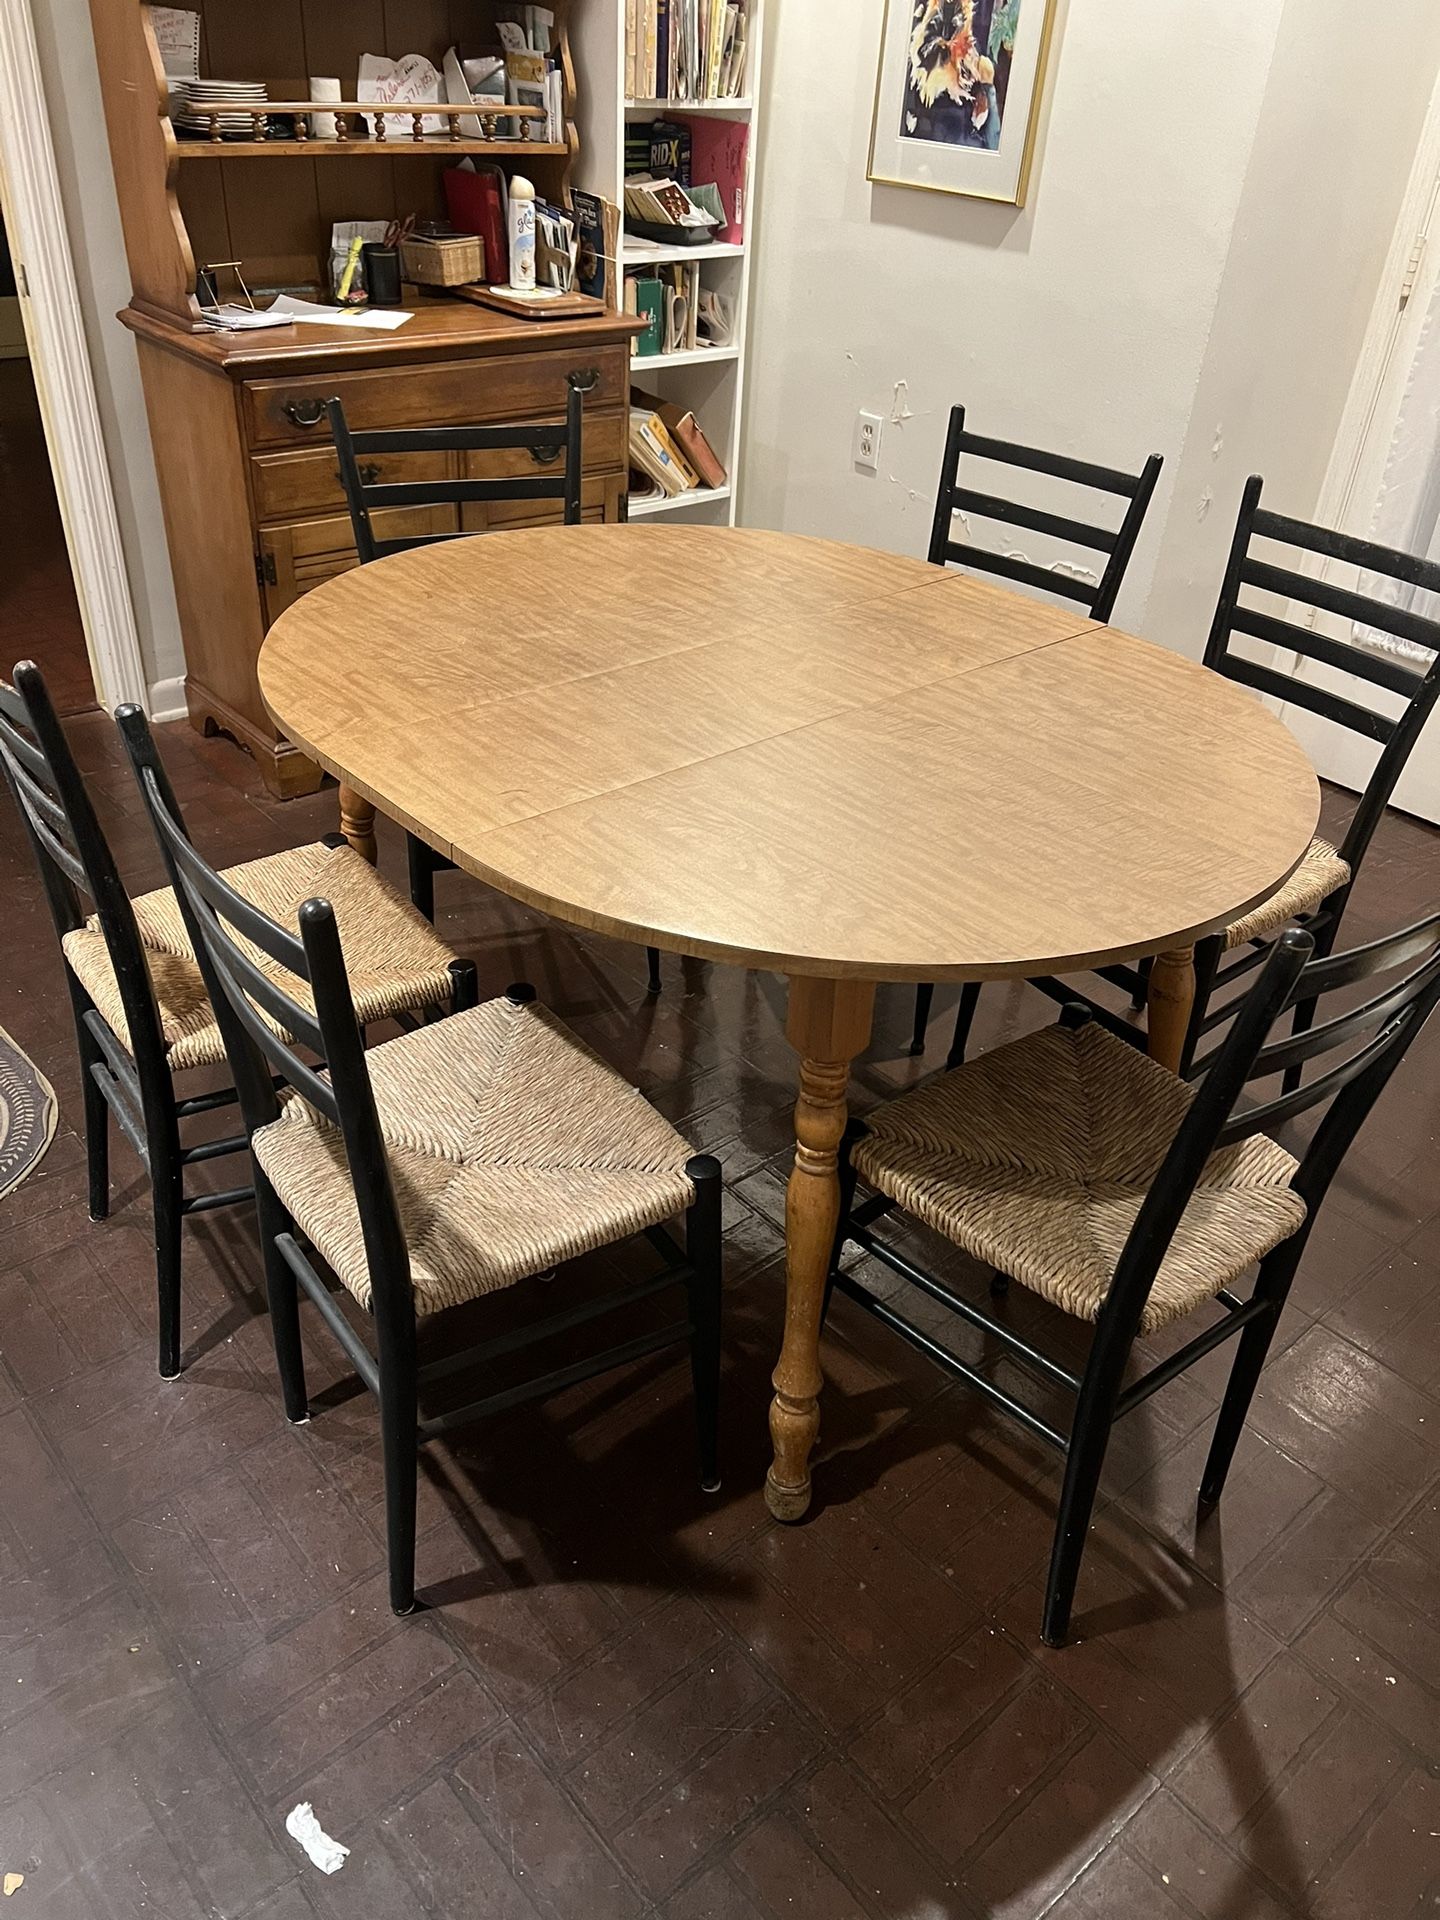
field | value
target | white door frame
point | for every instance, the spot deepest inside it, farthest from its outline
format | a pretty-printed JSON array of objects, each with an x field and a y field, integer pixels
[
  {"x": 54, "y": 327},
  {"x": 1357, "y": 467}
]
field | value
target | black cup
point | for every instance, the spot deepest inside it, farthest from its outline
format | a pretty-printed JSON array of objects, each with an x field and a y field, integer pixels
[{"x": 382, "y": 274}]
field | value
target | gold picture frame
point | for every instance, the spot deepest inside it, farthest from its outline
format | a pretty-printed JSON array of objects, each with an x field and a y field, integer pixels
[{"x": 948, "y": 89}]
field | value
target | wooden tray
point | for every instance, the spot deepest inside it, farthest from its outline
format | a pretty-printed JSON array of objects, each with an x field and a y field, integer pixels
[{"x": 554, "y": 306}]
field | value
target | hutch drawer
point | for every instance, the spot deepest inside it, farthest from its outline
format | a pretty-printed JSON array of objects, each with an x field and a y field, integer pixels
[
  {"x": 287, "y": 485},
  {"x": 290, "y": 412}
]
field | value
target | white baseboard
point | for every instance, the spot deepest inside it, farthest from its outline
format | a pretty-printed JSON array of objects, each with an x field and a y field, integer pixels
[{"x": 167, "y": 699}]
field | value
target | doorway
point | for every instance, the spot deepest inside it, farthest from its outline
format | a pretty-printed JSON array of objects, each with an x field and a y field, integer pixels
[
  {"x": 1384, "y": 475},
  {"x": 39, "y": 611}
]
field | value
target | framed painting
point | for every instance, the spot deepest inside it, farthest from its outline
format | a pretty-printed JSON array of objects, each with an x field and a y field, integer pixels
[{"x": 957, "y": 97}]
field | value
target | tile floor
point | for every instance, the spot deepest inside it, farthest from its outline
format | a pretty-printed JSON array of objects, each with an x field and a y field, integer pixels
[{"x": 628, "y": 1700}]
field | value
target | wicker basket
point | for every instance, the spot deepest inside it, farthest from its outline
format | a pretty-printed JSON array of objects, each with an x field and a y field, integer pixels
[{"x": 451, "y": 262}]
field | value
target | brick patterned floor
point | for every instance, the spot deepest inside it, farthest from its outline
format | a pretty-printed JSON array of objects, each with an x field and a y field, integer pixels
[{"x": 627, "y": 1700}]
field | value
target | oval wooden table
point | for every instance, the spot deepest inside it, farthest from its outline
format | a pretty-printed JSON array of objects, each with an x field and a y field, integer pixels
[{"x": 784, "y": 753}]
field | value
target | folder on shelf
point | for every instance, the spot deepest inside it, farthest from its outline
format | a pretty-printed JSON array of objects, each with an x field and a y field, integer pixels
[{"x": 718, "y": 151}]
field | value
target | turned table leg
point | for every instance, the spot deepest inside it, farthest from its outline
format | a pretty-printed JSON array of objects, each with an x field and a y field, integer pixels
[
  {"x": 1172, "y": 999},
  {"x": 357, "y": 823},
  {"x": 829, "y": 1023}
]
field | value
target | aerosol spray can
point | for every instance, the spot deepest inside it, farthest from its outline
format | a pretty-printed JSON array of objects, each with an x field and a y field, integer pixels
[{"x": 522, "y": 235}]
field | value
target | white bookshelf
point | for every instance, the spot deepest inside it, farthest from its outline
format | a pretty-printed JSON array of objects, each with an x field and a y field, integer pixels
[{"x": 709, "y": 380}]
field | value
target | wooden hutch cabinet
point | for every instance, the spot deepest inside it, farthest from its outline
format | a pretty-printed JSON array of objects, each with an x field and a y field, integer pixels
[{"x": 254, "y": 512}]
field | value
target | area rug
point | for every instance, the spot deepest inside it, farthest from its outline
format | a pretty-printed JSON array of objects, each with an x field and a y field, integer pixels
[{"x": 27, "y": 1115}]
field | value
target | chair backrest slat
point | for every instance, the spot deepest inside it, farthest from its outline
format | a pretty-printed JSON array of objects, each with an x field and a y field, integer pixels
[
  {"x": 1098, "y": 596},
  {"x": 1380, "y": 669},
  {"x": 76, "y": 865},
  {"x": 1368, "y": 555},
  {"x": 1343, "y": 602},
  {"x": 1419, "y": 689},
  {"x": 1321, "y": 700},
  {"x": 1014, "y": 513},
  {"x": 544, "y": 443}
]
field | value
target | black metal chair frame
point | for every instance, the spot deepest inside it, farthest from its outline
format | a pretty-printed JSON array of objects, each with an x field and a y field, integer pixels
[
  {"x": 219, "y": 919},
  {"x": 136, "y": 1085},
  {"x": 1294, "y": 975},
  {"x": 1396, "y": 737},
  {"x": 1098, "y": 598},
  {"x": 366, "y": 491}
]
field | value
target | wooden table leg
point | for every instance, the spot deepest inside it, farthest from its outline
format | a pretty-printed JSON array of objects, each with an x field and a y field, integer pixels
[
  {"x": 829, "y": 1023},
  {"x": 357, "y": 823},
  {"x": 1172, "y": 999}
]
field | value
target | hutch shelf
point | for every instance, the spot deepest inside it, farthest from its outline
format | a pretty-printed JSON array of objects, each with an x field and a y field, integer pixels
[{"x": 254, "y": 512}]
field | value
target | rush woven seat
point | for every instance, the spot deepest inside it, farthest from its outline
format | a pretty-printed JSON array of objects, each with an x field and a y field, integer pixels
[
  {"x": 1036, "y": 1159},
  {"x": 511, "y": 1148},
  {"x": 1320, "y": 873},
  {"x": 397, "y": 961}
]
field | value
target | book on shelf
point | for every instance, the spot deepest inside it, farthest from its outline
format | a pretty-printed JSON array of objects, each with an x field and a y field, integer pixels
[
  {"x": 475, "y": 201},
  {"x": 686, "y": 49},
  {"x": 597, "y": 226},
  {"x": 686, "y": 435},
  {"x": 655, "y": 454},
  {"x": 671, "y": 299}
]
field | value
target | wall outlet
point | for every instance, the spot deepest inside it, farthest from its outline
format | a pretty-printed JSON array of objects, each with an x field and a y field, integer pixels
[{"x": 866, "y": 449}]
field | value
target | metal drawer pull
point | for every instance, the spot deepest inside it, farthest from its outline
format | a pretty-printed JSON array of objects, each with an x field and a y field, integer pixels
[
  {"x": 584, "y": 379},
  {"x": 545, "y": 456},
  {"x": 304, "y": 413}
]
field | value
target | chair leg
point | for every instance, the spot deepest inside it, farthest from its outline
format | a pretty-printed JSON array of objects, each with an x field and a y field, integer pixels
[
  {"x": 924, "y": 994},
  {"x": 421, "y": 864},
  {"x": 654, "y": 983},
  {"x": 1208, "y": 954},
  {"x": 465, "y": 987},
  {"x": 845, "y": 1171},
  {"x": 283, "y": 1295},
  {"x": 1277, "y": 1271},
  {"x": 969, "y": 1001},
  {"x": 702, "y": 1245},
  {"x": 1140, "y": 998},
  {"x": 1089, "y": 1438},
  {"x": 167, "y": 1198},
  {"x": 1304, "y": 1017},
  {"x": 399, "y": 1439},
  {"x": 97, "y": 1134}
]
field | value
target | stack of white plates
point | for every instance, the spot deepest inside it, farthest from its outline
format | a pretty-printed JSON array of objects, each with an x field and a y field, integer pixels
[{"x": 192, "y": 102}]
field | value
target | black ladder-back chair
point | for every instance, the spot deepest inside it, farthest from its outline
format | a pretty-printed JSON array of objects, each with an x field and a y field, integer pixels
[
  {"x": 366, "y": 490},
  {"x": 340, "y": 1089},
  {"x": 134, "y": 1083},
  {"x": 1372, "y": 1037},
  {"x": 1396, "y": 737},
  {"x": 1097, "y": 597}
]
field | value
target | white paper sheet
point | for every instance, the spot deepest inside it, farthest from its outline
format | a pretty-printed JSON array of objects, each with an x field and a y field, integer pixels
[{"x": 307, "y": 313}]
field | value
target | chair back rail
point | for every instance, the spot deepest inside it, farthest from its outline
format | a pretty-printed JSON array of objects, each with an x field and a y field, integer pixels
[
  {"x": 1396, "y": 737},
  {"x": 1118, "y": 544},
  {"x": 220, "y": 922},
  {"x": 544, "y": 444},
  {"x": 77, "y": 868}
]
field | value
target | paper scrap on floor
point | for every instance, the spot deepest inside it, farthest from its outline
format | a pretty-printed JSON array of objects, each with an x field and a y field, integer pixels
[
  {"x": 385, "y": 319},
  {"x": 326, "y": 1854}
]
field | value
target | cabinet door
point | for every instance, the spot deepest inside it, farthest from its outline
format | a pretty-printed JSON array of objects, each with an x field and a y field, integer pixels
[{"x": 298, "y": 556}]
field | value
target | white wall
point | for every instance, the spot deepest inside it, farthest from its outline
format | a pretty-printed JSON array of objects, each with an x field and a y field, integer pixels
[
  {"x": 77, "y": 127},
  {"x": 1207, "y": 220}
]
